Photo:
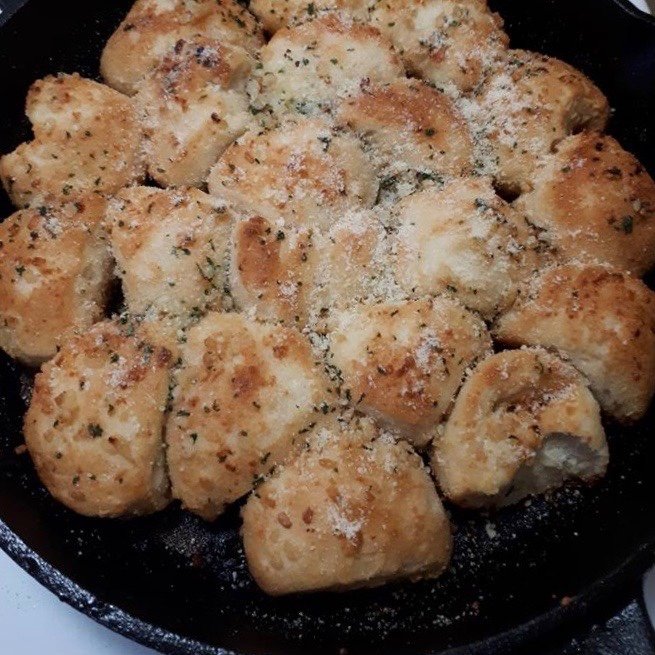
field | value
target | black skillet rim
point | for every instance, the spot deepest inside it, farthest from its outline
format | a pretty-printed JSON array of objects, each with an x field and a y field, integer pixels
[
  {"x": 612, "y": 586},
  {"x": 602, "y": 590},
  {"x": 629, "y": 8}
]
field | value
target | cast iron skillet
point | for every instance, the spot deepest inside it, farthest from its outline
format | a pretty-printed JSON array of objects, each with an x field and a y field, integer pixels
[{"x": 511, "y": 570}]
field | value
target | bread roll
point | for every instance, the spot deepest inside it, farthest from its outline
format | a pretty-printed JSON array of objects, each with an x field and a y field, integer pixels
[
  {"x": 357, "y": 509},
  {"x": 309, "y": 67},
  {"x": 595, "y": 201},
  {"x": 462, "y": 238},
  {"x": 152, "y": 27},
  {"x": 409, "y": 125},
  {"x": 302, "y": 172},
  {"x": 86, "y": 138},
  {"x": 523, "y": 423},
  {"x": 55, "y": 272},
  {"x": 275, "y": 14},
  {"x": 95, "y": 424},
  {"x": 529, "y": 104},
  {"x": 299, "y": 275},
  {"x": 170, "y": 247},
  {"x": 603, "y": 320},
  {"x": 403, "y": 362},
  {"x": 446, "y": 42},
  {"x": 193, "y": 106},
  {"x": 246, "y": 394}
]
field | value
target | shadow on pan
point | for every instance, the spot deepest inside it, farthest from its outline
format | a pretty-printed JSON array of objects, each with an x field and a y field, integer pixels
[{"x": 513, "y": 571}]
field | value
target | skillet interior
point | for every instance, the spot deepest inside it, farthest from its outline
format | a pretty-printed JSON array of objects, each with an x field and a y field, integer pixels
[{"x": 190, "y": 578}]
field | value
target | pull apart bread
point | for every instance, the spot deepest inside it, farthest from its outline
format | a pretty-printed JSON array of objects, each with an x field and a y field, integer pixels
[
  {"x": 275, "y": 15},
  {"x": 594, "y": 200},
  {"x": 602, "y": 320},
  {"x": 524, "y": 422},
  {"x": 526, "y": 105},
  {"x": 310, "y": 67},
  {"x": 153, "y": 27},
  {"x": 192, "y": 106},
  {"x": 170, "y": 247},
  {"x": 299, "y": 275},
  {"x": 303, "y": 171},
  {"x": 449, "y": 43},
  {"x": 407, "y": 124},
  {"x": 55, "y": 272},
  {"x": 464, "y": 239},
  {"x": 360, "y": 205},
  {"x": 95, "y": 424},
  {"x": 356, "y": 509},
  {"x": 272, "y": 270},
  {"x": 245, "y": 395},
  {"x": 86, "y": 138},
  {"x": 404, "y": 362}
]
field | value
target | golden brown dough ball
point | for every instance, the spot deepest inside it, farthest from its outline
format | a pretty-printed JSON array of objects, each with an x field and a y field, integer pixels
[
  {"x": 357, "y": 509},
  {"x": 407, "y": 124},
  {"x": 303, "y": 172},
  {"x": 55, "y": 270},
  {"x": 602, "y": 320},
  {"x": 193, "y": 106},
  {"x": 86, "y": 138},
  {"x": 529, "y": 104},
  {"x": 274, "y": 14},
  {"x": 298, "y": 275},
  {"x": 446, "y": 42},
  {"x": 353, "y": 265},
  {"x": 403, "y": 362},
  {"x": 153, "y": 27},
  {"x": 308, "y": 68},
  {"x": 596, "y": 201},
  {"x": 95, "y": 422},
  {"x": 272, "y": 270},
  {"x": 170, "y": 247},
  {"x": 523, "y": 423},
  {"x": 464, "y": 239},
  {"x": 246, "y": 394}
]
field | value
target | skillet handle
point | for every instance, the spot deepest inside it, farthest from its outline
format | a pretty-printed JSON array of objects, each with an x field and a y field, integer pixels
[{"x": 8, "y": 8}]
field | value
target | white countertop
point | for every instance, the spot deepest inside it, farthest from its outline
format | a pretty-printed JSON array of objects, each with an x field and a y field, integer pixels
[{"x": 32, "y": 619}]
